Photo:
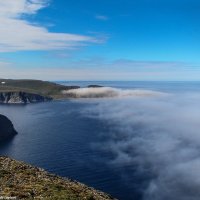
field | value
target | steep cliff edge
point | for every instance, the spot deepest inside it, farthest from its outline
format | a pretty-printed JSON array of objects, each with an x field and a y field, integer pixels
[
  {"x": 23, "y": 181},
  {"x": 31, "y": 90},
  {"x": 6, "y": 128},
  {"x": 22, "y": 98}
]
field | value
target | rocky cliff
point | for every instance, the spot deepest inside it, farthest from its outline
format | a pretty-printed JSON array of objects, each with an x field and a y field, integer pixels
[
  {"x": 43, "y": 88},
  {"x": 22, "y": 181},
  {"x": 6, "y": 128},
  {"x": 21, "y": 98}
]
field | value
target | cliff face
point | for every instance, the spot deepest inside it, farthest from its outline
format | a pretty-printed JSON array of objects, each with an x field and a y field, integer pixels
[
  {"x": 21, "y": 98},
  {"x": 23, "y": 181},
  {"x": 6, "y": 128},
  {"x": 43, "y": 88}
]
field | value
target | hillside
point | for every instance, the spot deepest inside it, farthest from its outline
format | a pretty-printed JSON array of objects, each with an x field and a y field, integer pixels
[
  {"x": 43, "y": 88},
  {"x": 23, "y": 181}
]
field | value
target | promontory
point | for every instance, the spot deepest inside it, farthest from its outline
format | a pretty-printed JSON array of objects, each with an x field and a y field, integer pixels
[{"x": 30, "y": 91}]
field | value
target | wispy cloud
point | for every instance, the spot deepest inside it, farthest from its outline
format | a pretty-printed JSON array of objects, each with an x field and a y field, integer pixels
[
  {"x": 101, "y": 17},
  {"x": 101, "y": 69},
  {"x": 18, "y": 34}
]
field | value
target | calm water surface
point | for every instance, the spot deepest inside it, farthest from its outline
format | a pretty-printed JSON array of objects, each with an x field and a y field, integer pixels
[{"x": 60, "y": 138}]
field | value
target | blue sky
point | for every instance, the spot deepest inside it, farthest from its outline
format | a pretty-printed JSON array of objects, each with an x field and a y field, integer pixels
[{"x": 100, "y": 40}]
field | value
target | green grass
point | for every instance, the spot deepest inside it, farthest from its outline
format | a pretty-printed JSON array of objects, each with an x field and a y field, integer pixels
[
  {"x": 23, "y": 181},
  {"x": 44, "y": 88}
]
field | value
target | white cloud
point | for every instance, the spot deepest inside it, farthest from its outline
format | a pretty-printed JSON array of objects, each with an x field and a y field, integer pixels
[
  {"x": 110, "y": 92},
  {"x": 10, "y": 8},
  {"x": 101, "y": 69},
  {"x": 56, "y": 73},
  {"x": 17, "y": 34},
  {"x": 101, "y": 17}
]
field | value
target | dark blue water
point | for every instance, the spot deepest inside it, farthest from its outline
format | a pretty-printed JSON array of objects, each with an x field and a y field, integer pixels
[
  {"x": 60, "y": 138},
  {"x": 164, "y": 86},
  {"x": 55, "y": 137}
]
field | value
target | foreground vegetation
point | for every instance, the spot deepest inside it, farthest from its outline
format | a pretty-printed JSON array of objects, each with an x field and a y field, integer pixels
[{"x": 23, "y": 181}]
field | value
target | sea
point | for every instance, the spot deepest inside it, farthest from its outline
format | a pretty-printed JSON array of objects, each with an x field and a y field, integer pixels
[{"x": 143, "y": 144}]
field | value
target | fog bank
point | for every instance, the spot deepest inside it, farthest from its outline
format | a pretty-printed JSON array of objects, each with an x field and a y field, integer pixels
[
  {"x": 160, "y": 137},
  {"x": 109, "y": 92}
]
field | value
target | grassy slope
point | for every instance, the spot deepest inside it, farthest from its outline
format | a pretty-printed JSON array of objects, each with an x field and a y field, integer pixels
[
  {"x": 23, "y": 181},
  {"x": 44, "y": 88}
]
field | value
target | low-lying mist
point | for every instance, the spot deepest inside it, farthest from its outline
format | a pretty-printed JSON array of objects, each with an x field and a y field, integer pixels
[
  {"x": 109, "y": 92},
  {"x": 160, "y": 137}
]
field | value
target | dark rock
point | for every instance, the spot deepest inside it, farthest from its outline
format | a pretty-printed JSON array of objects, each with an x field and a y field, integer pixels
[
  {"x": 71, "y": 87},
  {"x": 95, "y": 86},
  {"x": 6, "y": 128},
  {"x": 21, "y": 98}
]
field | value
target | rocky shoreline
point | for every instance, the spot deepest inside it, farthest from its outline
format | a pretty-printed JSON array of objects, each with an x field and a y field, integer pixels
[
  {"x": 22, "y": 98},
  {"x": 30, "y": 91},
  {"x": 35, "y": 91}
]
